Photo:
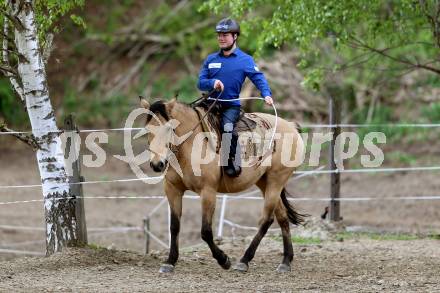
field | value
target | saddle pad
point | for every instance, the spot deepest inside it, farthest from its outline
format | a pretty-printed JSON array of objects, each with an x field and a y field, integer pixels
[
  {"x": 254, "y": 133},
  {"x": 255, "y": 142},
  {"x": 246, "y": 123}
]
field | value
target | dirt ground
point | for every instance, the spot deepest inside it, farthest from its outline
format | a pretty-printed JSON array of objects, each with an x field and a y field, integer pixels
[{"x": 352, "y": 266}]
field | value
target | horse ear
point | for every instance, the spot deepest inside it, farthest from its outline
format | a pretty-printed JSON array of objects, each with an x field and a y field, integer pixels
[
  {"x": 144, "y": 102},
  {"x": 170, "y": 105}
]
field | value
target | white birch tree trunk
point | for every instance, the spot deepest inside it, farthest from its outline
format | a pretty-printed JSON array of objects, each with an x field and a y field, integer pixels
[{"x": 59, "y": 206}]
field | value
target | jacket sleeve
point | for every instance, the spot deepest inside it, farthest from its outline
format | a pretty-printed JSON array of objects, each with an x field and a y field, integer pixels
[
  {"x": 257, "y": 78},
  {"x": 205, "y": 83}
]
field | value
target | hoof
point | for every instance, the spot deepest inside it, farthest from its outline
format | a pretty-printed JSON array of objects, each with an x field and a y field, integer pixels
[
  {"x": 166, "y": 268},
  {"x": 227, "y": 264},
  {"x": 241, "y": 267},
  {"x": 283, "y": 268}
]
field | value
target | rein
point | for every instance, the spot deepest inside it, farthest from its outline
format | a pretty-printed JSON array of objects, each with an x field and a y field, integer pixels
[
  {"x": 210, "y": 107},
  {"x": 174, "y": 148}
]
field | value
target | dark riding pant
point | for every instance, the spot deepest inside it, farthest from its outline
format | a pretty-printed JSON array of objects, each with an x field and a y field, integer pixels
[{"x": 229, "y": 118}]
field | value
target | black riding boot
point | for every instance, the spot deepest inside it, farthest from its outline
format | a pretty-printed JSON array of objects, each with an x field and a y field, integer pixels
[{"x": 233, "y": 169}]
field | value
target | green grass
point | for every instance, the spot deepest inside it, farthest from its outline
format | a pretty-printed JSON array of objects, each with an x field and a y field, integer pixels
[
  {"x": 306, "y": 240},
  {"x": 301, "y": 240},
  {"x": 434, "y": 236},
  {"x": 95, "y": 246},
  {"x": 376, "y": 236},
  {"x": 342, "y": 236},
  {"x": 402, "y": 158},
  {"x": 432, "y": 112}
]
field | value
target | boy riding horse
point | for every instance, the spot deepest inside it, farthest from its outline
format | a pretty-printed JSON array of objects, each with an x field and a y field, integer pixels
[{"x": 226, "y": 71}]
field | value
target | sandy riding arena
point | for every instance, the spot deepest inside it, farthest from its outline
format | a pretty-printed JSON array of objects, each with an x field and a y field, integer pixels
[
  {"x": 380, "y": 245},
  {"x": 354, "y": 265}
]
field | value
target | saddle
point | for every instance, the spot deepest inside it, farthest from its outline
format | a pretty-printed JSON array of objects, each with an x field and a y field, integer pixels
[{"x": 251, "y": 128}]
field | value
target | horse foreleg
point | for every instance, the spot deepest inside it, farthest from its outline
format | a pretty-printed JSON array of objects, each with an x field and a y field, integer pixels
[
  {"x": 271, "y": 200},
  {"x": 208, "y": 208},
  {"x": 283, "y": 221},
  {"x": 174, "y": 196}
]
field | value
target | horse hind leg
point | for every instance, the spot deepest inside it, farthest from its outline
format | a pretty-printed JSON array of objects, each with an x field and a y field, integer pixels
[
  {"x": 271, "y": 201},
  {"x": 283, "y": 222},
  {"x": 284, "y": 214},
  {"x": 208, "y": 207}
]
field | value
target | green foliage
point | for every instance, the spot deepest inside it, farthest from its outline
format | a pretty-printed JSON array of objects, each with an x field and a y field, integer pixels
[
  {"x": 403, "y": 158},
  {"x": 90, "y": 110},
  {"x": 382, "y": 115},
  {"x": 49, "y": 12},
  {"x": 78, "y": 20},
  {"x": 401, "y": 29},
  {"x": 432, "y": 80},
  {"x": 185, "y": 88},
  {"x": 114, "y": 19},
  {"x": 313, "y": 79},
  {"x": 11, "y": 110},
  {"x": 432, "y": 112}
]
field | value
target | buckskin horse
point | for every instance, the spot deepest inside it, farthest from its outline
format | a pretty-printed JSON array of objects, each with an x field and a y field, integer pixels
[{"x": 270, "y": 179}]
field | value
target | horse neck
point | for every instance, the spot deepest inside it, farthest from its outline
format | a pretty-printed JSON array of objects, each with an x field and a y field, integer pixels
[{"x": 188, "y": 119}]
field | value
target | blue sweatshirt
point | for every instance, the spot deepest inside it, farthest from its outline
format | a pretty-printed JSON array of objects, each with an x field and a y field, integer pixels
[{"x": 231, "y": 70}]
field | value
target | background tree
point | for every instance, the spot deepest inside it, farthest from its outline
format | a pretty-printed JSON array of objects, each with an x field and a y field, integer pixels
[
  {"x": 405, "y": 32},
  {"x": 26, "y": 44},
  {"x": 380, "y": 40}
]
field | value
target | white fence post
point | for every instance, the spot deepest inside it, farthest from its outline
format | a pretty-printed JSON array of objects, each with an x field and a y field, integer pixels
[
  {"x": 169, "y": 225},
  {"x": 222, "y": 218}
]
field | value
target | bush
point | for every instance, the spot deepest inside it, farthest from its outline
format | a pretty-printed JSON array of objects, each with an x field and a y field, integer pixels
[{"x": 11, "y": 109}]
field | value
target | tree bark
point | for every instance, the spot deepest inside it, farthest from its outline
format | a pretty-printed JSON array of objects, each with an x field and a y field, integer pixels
[{"x": 59, "y": 205}]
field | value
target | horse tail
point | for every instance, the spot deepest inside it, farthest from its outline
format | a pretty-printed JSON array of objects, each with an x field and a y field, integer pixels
[{"x": 294, "y": 217}]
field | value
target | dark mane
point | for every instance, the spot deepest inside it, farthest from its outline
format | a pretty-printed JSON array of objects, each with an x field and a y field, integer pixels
[{"x": 158, "y": 108}]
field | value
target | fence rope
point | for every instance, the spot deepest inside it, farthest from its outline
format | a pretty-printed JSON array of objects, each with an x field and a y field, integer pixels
[
  {"x": 372, "y": 125},
  {"x": 342, "y": 125},
  {"x": 306, "y": 173},
  {"x": 367, "y": 170},
  {"x": 154, "y": 237},
  {"x": 24, "y": 228},
  {"x": 232, "y": 224},
  {"x": 97, "y": 229},
  {"x": 87, "y": 182},
  {"x": 305, "y": 198},
  {"x": 25, "y": 252}
]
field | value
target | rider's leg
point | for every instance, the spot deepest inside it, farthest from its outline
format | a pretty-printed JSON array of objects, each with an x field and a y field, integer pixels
[{"x": 230, "y": 117}]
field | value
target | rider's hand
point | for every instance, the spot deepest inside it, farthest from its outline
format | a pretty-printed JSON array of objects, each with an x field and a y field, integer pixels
[
  {"x": 218, "y": 85},
  {"x": 268, "y": 100}
]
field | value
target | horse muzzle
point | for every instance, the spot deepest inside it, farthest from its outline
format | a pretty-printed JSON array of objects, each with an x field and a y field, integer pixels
[{"x": 159, "y": 166}]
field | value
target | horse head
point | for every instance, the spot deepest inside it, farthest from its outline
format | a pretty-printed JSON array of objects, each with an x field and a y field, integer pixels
[{"x": 159, "y": 130}]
